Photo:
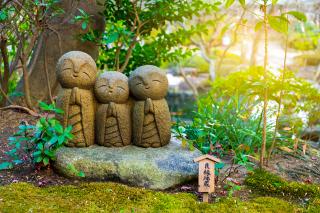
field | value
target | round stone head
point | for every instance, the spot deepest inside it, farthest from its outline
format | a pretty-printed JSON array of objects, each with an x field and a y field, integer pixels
[
  {"x": 112, "y": 86},
  {"x": 148, "y": 82},
  {"x": 76, "y": 69}
]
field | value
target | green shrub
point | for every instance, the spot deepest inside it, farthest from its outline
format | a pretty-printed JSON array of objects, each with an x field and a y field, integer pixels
[
  {"x": 40, "y": 142},
  {"x": 229, "y": 116}
]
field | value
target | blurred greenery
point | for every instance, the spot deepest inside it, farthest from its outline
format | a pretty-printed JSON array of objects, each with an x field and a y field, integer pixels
[
  {"x": 228, "y": 118},
  {"x": 305, "y": 36}
]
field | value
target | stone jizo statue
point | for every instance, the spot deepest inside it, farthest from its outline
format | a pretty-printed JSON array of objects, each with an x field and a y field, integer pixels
[
  {"x": 151, "y": 121},
  {"x": 113, "y": 117},
  {"x": 76, "y": 72}
]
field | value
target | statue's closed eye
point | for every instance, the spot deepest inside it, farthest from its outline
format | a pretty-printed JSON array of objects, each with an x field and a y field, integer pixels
[
  {"x": 156, "y": 80},
  {"x": 67, "y": 65},
  {"x": 138, "y": 83},
  {"x": 120, "y": 87},
  {"x": 103, "y": 85},
  {"x": 67, "y": 68}
]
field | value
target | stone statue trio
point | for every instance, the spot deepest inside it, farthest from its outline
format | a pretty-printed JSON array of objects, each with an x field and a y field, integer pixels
[{"x": 112, "y": 110}]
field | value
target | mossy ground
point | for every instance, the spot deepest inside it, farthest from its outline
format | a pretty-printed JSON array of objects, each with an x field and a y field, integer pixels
[{"x": 113, "y": 197}]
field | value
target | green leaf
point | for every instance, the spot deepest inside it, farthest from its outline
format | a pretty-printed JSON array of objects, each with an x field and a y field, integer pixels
[
  {"x": 44, "y": 106},
  {"x": 258, "y": 26},
  {"x": 81, "y": 174},
  {"x": 3, "y": 15},
  {"x": 49, "y": 153},
  {"x": 278, "y": 23},
  {"x": 37, "y": 153},
  {"x": 219, "y": 165},
  {"x": 229, "y": 3},
  {"x": 43, "y": 121},
  {"x": 242, "y": 2},
  {"x": 84, "y": 25},
  {"x": 61, "y": 140},
  {"x": 58, "y": 128},
  {"x": 112, "y": 37},
  {"x": 38, "y": 159},
  {"x": 6, "y": 165},
  {"x": 274, "y": 2},
  {"x": 18, "y": 161},
  {"x": 58, "y": 111},
  {"x": 53, "y": 140},
  {"x": 298, "y": 15},
  {"x": 45, "y": 161},
  {"x": 82, "y": 12},
  {"x": 205, "y": 149},
  {"x": 40, "y": 146}
]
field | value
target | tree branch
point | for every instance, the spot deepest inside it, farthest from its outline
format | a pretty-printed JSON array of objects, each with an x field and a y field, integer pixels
[{"x": 190, "y": 84}]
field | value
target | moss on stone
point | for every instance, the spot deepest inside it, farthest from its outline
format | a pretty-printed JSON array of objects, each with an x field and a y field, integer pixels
[{"x": 113, "y": 197}]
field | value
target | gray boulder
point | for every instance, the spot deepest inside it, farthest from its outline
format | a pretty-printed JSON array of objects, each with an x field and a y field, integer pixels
[{"x": 155, "y": 168}]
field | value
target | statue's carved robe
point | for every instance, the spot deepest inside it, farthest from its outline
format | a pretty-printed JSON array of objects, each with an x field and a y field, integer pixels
[
  {"x": 151, "y": 123},
  {"x": 113, "y": 123},
  {"x": 79, "y": 107}
]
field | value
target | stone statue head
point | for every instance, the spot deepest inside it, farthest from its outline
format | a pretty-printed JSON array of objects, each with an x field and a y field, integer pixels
[
  {"x": 76, "y": 69},
  {"x": 112, "y": 86},
  {"x": 148, "y": 82}
]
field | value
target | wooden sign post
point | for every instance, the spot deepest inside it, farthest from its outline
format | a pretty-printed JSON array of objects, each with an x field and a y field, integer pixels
[{"x": 206, "y": 175}]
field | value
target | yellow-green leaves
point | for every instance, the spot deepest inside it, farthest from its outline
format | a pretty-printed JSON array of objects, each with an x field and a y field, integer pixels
[
  {"x": 278, "y": 23},
  {"x": 258, "y": 26},
  {"x": 298, "y": 15},
  {"x": 274, "y": 2},
  {"x": 281, "y": 23},
  {"x": 229, "y": 3},
  {"x": 242, "y": 2}
]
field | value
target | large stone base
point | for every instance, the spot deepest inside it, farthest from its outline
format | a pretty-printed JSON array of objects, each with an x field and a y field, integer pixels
[{"x": 155, "y": 168}]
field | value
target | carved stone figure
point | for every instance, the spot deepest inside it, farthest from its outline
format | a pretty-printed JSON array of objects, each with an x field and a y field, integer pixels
[
  {"x": 150, "y": 116},
  {"x": 113, "y": 117},
  {"x": 76, "y": 72}
]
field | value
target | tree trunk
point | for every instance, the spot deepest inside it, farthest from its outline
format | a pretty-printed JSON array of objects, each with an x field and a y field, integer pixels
[{"x": 61, "y": 36}]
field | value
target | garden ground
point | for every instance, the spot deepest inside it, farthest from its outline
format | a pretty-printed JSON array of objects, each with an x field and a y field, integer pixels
[{"x": 25, "y": 187}]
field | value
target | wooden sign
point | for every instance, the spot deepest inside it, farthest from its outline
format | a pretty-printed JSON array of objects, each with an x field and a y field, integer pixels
[{"x": 206, "y": 175}]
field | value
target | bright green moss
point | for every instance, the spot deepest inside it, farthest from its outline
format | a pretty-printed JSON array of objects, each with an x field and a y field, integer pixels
[
  {"x": 112, "y": 197},
  {"x": 270, "y": 184}
]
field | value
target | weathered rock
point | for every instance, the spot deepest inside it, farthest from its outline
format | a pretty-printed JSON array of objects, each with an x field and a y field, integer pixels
[
  {"x": 311, "y": 134},
  {"x": 159, "y": 168}
]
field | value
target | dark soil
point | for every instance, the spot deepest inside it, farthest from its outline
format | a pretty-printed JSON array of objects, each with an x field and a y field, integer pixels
[{"x": 289, "y": 166}]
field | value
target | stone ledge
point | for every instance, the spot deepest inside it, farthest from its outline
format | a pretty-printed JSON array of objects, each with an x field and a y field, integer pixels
[{"x": 155, "y": 168}]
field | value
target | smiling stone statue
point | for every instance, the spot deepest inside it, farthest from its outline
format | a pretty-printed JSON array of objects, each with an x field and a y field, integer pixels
[
  {"x": 151, "y": 116},
  {"x": 76, "y": 72},
  {"x": 113, "y": 117}
]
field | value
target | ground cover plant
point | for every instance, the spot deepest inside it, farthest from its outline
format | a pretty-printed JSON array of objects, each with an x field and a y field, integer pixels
[{"x": 39, "y": 142}]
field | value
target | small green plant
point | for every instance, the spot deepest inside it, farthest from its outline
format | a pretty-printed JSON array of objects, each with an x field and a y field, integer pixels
[
  {"x": 231, "y": 187},
  {"x": 39, "y": 142},
  {"x": 75, "y": 171},
  {"x": 224, "y": 125}
]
